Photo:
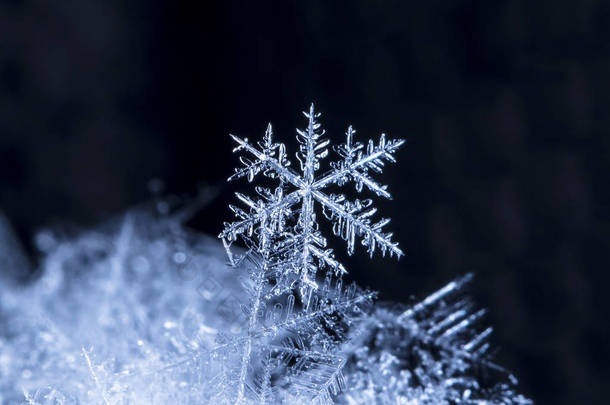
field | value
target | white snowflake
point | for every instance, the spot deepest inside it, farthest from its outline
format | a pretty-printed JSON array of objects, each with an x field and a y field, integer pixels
[{"x": 300, "y": 248}]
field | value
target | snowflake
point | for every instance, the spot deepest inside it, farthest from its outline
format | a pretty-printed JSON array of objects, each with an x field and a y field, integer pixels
[{"x": 300, "y": 248}]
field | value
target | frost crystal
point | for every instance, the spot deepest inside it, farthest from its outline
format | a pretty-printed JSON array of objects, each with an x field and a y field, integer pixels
[
  {"x": 432, "y": 353},
  {"x": 300, "y": 248}
]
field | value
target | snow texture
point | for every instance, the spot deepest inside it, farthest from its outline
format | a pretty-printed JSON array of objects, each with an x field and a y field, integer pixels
[{"x": 142, "y": 310}]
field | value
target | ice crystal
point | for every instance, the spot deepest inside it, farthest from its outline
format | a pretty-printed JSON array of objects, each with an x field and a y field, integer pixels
[
  {"x": 432, "y": 353},
  {"x": 300, "y": 248},
  {"x": 142, "y": 310}
]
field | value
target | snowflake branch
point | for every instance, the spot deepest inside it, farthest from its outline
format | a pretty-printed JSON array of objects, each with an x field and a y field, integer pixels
[
  {"x": 233, "y": 229},
  {"x": 372, "y": 233},
  {"x": 281, "y": 170},
  {"x": 372, "y": 159}
]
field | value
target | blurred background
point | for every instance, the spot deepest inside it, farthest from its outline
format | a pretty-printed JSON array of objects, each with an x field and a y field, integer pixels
[{"x": 504, "y": 105}]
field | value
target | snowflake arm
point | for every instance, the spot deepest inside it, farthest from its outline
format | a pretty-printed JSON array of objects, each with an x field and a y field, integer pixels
[
  {"x": 265, "y": 159},
  {"x": 312, "y": 149},
  {"x": 356, "y": 163},
  {"x": 348, "y": 225},
  {"x": 247, "y": 220}
]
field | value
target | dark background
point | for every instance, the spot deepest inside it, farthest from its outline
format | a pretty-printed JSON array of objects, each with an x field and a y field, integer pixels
[{"x": 504, "y": 104}]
